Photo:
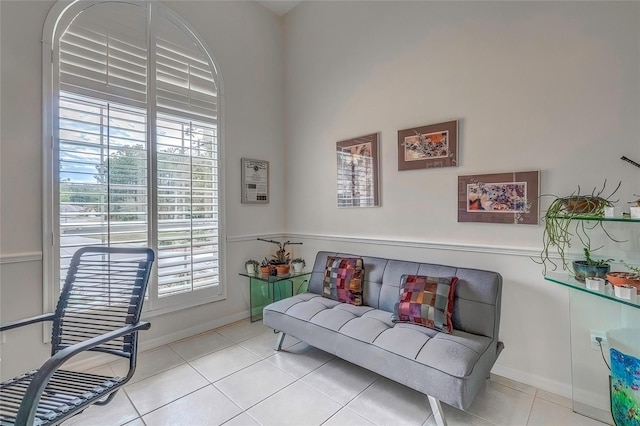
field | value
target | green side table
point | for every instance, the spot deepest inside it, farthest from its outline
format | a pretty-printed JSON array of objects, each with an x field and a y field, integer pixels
[{"x": 265, "y": 289}]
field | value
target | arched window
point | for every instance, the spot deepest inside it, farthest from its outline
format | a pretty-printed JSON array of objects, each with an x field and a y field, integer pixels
[{"x": 133, "y": 149}]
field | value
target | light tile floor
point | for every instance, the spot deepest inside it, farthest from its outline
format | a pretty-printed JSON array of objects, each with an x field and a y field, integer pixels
[{"x": 232, "y": 376}]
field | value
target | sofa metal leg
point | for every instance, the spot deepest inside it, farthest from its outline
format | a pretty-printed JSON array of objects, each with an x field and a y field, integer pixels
[
  {"x": 279, "y": 341},
  {"x": 438, "y": 414}
]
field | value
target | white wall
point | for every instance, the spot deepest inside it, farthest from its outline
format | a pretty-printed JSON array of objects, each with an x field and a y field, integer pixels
[
  {"x": 549, "y": 86},
  {"x": 247, "y": 42}
]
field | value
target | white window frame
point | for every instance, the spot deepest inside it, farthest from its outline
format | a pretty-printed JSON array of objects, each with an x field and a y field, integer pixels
[{"x": 58, "y": 17}]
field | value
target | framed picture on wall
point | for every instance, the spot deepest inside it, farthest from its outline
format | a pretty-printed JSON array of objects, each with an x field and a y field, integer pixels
[
  {"x": 357, "y": 161},
  {"x": 255, "y": 181},
  {"x": 425, "y": 147},
  {"x": 499, "y": 198}
]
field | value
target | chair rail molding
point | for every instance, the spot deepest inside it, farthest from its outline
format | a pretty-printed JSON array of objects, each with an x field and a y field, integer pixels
[
  {"x": 434, "y": 245},
  {"x": 34, "y": 256}
]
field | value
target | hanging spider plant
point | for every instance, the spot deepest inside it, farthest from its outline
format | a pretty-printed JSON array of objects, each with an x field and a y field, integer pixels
[{"x": 561, "y": 226}]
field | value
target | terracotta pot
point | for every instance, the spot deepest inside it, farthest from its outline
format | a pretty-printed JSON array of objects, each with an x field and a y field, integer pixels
[
  {"x": 264, "y": 270},
  {"x": 580, "y": 204},
  {"x": 624, "y": 278},
  {"x": 282, "y": 269}
]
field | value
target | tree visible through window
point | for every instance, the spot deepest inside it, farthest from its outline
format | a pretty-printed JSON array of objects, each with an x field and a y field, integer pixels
[{"x": 136, "y": 161}]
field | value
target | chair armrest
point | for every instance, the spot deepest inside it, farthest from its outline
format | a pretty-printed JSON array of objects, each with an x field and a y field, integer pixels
[
  {"x": 27, "y": 411},
  {"x": 27, "y": 321}
]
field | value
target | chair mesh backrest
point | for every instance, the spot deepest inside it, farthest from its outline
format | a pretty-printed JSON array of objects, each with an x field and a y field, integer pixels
[{"x": 104, "y": 290}]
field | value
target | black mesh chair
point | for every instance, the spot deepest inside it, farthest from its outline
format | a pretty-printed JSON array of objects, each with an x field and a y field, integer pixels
[{"x": 98, "y": 310}]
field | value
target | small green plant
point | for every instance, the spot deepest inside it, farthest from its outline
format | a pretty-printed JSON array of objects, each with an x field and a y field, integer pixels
[
  {"x": 634, "y": 269},
  {"x": 253, "y": 262},
  {"x": 265, "y": 262},
  {"x": 281, "y": 257},
  {"x": 591, "y": 261},
  {"x": 299, "y": 260}
]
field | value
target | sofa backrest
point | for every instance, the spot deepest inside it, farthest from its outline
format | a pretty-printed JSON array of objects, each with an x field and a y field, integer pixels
[{"x": 478, "y": 293}]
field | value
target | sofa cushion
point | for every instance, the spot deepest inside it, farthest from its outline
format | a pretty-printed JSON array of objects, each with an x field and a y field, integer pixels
[
  {"x": 306, "y": 311},
  {"x": 338, "y": 316},
  {"x": 343, "y": 279},
  {"x": 426, "y": 301},
  {"x": 366, "y": 328}
]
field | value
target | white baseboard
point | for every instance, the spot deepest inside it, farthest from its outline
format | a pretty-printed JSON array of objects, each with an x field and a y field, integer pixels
[
  {"x": 146, "y": 345},
  {"x": 553, "y": 386},
  {"x": 98, "y": 359},
  {"x": 588, "y": 398}
]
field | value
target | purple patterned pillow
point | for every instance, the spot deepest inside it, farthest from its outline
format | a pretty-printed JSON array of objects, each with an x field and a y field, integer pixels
[
  {"x": 427, "y": 301},
  {"x": 343, "y": 279}
]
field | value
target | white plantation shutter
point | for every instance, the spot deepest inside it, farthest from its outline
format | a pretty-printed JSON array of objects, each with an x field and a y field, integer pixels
[
  {"x": 137, "y": 161},
  {"x": 184, "y": 80},
  {"x": 187, "y": 206},
  {"x": 103, "y": 195},
  {"x": 103, "y": 53}
]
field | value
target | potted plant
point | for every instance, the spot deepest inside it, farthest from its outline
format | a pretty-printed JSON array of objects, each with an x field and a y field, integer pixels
[
  {"x": 281, "y": 261},
  {"x": 282, "y": 258},
  {"x": 252, "y": 266},
  {"x": 590, "y": 268},
  {"x": 265, "y": 267},
  {"x": 625, "y": 278},
  {"x": 634, "y": 210},
  {"x": 298, "y": 264},
  {"x": 568, "y": 217}
]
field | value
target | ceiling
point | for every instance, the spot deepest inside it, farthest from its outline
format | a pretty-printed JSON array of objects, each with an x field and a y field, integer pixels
[{"x": 279, "y": 7}]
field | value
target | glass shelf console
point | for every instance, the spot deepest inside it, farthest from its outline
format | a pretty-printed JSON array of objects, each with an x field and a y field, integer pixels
[
  {"x": 597, "y": 313},
  {"x": 264, "y": 289}
]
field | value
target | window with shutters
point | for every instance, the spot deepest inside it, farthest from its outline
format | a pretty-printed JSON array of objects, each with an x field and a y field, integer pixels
[{"x": 132, "y": 104}]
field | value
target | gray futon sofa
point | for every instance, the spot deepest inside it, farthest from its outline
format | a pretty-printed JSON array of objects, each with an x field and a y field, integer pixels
[{"x": 446, "y": 367}]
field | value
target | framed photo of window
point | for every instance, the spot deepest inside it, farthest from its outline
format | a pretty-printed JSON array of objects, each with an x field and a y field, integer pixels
[
  {"x": 357, "y": 165},
  {"x": 255, "y": 181}
]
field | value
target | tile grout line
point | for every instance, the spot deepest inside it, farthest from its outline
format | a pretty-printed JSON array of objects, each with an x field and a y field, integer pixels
[
  {"x": 175, "y": 400},
  {"x": 535, "y": 396},
  {"x": 296, "y": 379}
]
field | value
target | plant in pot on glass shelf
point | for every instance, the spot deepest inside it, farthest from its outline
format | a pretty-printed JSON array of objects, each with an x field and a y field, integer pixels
[
  {"x": 625, "y": 278},
  {"x": 281, "y": 261},
  {"x": 265, "y": 267},
  {"x": 298, "y": 264},
  {"x": 252, "y": 266},
  {"x": 634, "y": 209},
  {"x": 569, "y": 217},
  {"x": 590, "y": 267}
]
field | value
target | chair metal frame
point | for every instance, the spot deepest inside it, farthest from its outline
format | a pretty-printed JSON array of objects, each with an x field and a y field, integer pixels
[{"x": 98, "y": 310}]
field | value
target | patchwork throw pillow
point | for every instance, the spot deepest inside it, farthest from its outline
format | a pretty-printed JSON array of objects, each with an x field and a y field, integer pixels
[
  {"x": 427, "y": 301},
  {"x": 343, "y": 279}
]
